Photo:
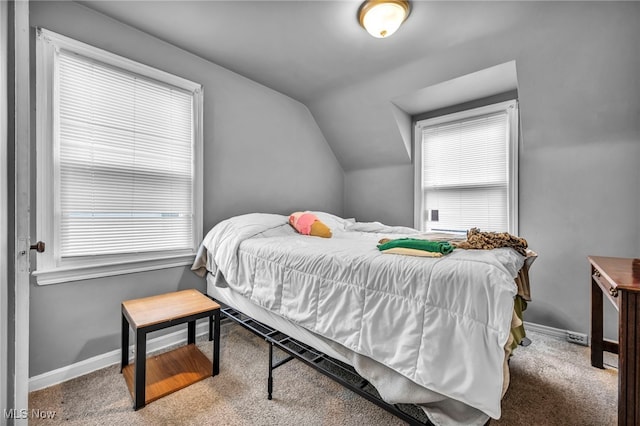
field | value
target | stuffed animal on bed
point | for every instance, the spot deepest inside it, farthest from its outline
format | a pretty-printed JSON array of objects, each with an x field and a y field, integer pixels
[{"x": 308, "y": 224}]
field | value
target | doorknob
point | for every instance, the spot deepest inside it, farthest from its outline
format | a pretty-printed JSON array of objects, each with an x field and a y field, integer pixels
[{"x": 39, "y": 247}]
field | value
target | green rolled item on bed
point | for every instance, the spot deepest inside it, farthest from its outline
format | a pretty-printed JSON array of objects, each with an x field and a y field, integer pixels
[{"x": 414, "y": 243}]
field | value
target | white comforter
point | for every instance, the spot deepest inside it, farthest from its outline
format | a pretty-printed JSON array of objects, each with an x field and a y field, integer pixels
[{"x": 442, "y": 322}]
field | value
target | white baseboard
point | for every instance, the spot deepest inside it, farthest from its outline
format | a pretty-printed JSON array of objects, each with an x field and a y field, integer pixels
[
  {"x": 546, "y": 330},
  {"x": 566, "y": 335},
  {"x": 86, "y": 366}
]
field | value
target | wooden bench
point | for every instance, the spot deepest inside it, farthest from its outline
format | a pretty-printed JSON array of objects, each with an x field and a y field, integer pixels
[{"x": 153, "y": 378}]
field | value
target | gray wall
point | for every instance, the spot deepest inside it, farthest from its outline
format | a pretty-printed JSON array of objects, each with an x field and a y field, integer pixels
[
  {"x": 262, "y": 152},
  {"x": 578, "y": 66},
  {"x": 382, "y": 194}
]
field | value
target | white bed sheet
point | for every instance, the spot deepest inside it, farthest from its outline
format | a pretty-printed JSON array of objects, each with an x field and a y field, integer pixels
[
  {"x": 392, "y": 387},
  {"x": 441, "y": 323}
]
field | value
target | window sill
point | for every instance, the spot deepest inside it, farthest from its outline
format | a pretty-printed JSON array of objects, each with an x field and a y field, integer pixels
[{"x": 85, "y": 272}]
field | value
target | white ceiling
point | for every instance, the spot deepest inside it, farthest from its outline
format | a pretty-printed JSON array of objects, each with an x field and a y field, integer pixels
[{"x": 306, "y": 48}]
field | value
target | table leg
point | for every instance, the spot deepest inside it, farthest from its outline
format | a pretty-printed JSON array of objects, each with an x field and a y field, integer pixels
[
  {"x": 124, "y": 336},
  {"x": 597, "y": 320},
  {"x": 216, "y": 343},
  {"x": 140, "y": 368},
  {"x": 629, "y": 353}
]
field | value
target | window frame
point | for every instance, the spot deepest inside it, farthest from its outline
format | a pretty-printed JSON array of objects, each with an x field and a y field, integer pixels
[
  {"x": 510, "y": 107},
  {"x": 51, "y": 267}
]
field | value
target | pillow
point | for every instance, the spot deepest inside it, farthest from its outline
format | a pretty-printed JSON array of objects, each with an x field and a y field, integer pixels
[{"x": 308, "y": 224}]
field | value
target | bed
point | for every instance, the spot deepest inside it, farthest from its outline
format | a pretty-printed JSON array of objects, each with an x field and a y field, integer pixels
[{"x": 435, "y": 332}]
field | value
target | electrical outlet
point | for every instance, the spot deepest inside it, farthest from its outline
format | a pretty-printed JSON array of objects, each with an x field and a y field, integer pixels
[{"x": 578, "y": 338}]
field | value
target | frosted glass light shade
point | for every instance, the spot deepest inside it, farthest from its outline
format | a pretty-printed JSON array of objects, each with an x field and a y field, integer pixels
[{"x": 381, "y": 18}]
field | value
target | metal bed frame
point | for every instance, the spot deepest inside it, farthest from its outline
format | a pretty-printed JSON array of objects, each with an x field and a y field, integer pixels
[{"x": 342, "y": 373}]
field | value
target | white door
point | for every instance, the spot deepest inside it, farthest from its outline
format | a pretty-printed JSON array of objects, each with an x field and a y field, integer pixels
[
  {"x": 21, "y": 138},
  {"x": 4, "y": 202}
]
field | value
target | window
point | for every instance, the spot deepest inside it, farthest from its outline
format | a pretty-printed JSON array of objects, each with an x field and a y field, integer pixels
[
  {"x": 466, "y": 170},
  {"x": 119, "y": 172}
]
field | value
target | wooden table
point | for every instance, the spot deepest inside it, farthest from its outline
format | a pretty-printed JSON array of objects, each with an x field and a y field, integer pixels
[
  {"x": 153, "y": 378},
  {"x": 619, "y": 279}
]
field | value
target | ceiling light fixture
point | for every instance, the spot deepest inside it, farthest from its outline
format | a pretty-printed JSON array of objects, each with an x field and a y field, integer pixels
[{"x": 381, "y": 18}]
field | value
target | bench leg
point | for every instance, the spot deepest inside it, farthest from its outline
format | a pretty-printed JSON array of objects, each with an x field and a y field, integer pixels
[
  {"x": 191, "y": 332},
  {"x": 140, "y": 368},
  {"x": 211, "y": 328},
  {"x": 124, "y": 335}
]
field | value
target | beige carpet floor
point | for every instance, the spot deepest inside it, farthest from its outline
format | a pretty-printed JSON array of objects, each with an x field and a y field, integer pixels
[{"x": 552, "y": 383}]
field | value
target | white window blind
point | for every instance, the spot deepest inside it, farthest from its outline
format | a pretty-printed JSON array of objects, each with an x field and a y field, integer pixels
[
  {"x": 125, "y": 161},
  {"x": 467, "y": 176},
  {"x": 119, "y": 163}
]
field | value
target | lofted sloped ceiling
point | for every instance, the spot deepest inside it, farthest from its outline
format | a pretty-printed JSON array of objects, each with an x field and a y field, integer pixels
[{"x": 310, "y": 50}]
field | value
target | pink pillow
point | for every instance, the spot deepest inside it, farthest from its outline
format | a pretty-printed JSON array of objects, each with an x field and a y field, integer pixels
[{"x": 309, "y": 224}]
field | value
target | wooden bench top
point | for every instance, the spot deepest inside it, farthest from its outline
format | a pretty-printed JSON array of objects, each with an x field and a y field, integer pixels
[{"x": 166, "y": 307}]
